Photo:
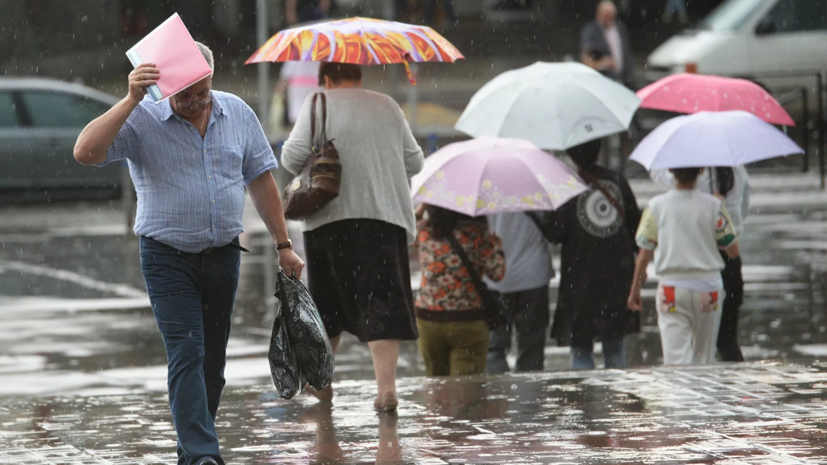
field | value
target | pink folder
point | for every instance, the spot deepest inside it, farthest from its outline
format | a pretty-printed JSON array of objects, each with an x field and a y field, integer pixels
[{"x": 171, "y": 48}]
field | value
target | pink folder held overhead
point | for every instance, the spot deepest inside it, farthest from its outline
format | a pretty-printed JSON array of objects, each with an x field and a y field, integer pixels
[{"x": 171, "y": 48}]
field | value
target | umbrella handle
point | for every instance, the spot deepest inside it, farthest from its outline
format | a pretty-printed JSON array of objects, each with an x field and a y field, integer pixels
[
  {"x": 711, "y": 181},
  {"x": 408, "y": 69}
]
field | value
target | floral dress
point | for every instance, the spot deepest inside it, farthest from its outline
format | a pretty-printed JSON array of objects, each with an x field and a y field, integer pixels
[{"x": 446, "y": 283}]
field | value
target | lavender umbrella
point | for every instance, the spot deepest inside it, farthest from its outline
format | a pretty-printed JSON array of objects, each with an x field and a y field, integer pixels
[
  {"x": 492, "y": 175},
  {"x": 727, "y": 138}
]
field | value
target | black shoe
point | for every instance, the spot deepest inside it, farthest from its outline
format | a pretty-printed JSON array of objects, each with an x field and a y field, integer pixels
[{"x": 208, "y": 462}]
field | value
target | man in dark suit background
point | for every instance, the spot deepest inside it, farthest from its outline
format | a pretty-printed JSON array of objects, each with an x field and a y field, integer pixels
[{"x": 605, "y": 45}]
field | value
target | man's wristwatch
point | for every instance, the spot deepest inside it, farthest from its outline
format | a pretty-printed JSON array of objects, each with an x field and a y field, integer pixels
[{"x": 285, "y": 245}]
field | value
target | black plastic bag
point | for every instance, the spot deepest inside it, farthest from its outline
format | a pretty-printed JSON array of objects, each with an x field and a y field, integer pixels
[
  {"x": 307, "y": 340},
  {"x": 285, "y": 372}
]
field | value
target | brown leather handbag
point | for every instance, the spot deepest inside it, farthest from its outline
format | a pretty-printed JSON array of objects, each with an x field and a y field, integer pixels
[{"x": 319, "y": 181}]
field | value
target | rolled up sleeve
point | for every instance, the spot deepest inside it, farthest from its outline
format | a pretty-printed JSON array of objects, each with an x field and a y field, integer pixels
[
  {"x": 125, "y": 145},
  {"x": 258, "y": 155}
]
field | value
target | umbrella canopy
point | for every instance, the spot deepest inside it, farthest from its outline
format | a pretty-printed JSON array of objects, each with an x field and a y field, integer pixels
[
  {"x": 490, "y": 175},
  {"x": 359, "y": 41},
  {"x": 691, "y": 93},
  {"x": 553, "y": 105},
  {"x": 728, "y": 138}
]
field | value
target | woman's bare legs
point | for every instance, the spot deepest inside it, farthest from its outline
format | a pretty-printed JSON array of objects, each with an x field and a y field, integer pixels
[
  {"x": 334, "y": 341},
  {"x": 385, "y": 355}
]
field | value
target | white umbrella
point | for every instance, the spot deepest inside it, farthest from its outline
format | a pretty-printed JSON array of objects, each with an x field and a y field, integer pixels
[
  {"x": 553, "y": 105},
  {"x": 727, "y": 138}
]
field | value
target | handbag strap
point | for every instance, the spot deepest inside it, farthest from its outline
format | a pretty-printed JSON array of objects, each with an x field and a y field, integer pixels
[
  {"x": 313, "y": 118},
  {"x": 313, "y": 122},
  {"x": 479, "y": 286}
]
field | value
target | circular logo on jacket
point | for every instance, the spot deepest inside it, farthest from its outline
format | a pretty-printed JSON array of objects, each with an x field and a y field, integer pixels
[{"x": 596, "y": 214}]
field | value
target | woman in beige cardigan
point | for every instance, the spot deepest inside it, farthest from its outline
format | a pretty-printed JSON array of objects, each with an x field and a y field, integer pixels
[{"x": 356, "y": 246}]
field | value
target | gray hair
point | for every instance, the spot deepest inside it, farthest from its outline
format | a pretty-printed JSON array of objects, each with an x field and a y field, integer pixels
[{"x": 207, "y": 54}]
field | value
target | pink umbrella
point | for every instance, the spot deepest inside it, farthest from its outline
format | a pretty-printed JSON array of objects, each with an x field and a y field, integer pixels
[
  {"x": 691, "y": 93},
  {"x": 492, "y": 175}
]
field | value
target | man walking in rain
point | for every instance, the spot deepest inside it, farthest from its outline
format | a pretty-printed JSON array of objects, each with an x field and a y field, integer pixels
[
  {"x": 605, "y": 45},
  {"x": 190, "y": 159}
]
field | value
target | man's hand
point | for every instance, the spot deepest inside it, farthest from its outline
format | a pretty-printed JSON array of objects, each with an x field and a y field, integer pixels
[
  {"x": 291, "y": 263},
  {"x": 635, "y": 301},
  {"x": 94, "y": 141},
  {"x": 146, "y": 74}
]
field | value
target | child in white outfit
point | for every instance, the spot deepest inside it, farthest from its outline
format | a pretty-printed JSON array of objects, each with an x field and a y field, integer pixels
[{"x": 683, "y": 230}]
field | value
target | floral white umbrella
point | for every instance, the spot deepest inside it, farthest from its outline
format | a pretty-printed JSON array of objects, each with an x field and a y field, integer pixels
[{"x": 491, "y": 175}]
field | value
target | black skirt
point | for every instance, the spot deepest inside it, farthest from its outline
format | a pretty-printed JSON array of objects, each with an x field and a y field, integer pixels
[{"x": 359, "y": 277}]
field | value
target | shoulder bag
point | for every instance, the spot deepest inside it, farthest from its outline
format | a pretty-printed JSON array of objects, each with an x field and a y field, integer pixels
[
  {"x": 494, "y": 313},
  {"x": 319, "y": 181}
]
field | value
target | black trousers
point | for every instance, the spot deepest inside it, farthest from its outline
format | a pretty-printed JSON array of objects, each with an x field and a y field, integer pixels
[
  {"x": 527, "y": 313},
  {"x": 728, "y": 347}
]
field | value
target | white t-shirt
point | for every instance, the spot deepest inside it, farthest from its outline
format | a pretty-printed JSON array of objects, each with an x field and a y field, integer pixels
[
  {"x": 527, "y": 257},
  {"x": 737, "y": 200},
  {"x": 685, "y": 229},
  {"x": 612, "y": 35}
]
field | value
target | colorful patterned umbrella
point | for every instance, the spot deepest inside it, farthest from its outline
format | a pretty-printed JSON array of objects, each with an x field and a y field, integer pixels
[
  {"x": 359, "y": 41},
  {"x": 491, "y": 175},
  {"x": 692, "y": 93}
]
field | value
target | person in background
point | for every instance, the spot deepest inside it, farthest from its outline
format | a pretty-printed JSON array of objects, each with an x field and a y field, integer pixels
[
  {"x": 596, "y": 231},
  {"x": 453, "y": 333},
  {"x": 524, "y": 292},
  {"x": 683, "y": 231},
  {"x": 675, "y": 7},
  {"x": 605, "y": 45},
  {"x": 302, "y": 11},
  {"x": 357, "y": 245},
  {"x": 447, "y": 5},
  {"x": 732, "y": 186},
  {"x": 191, "y": 158},
  {"x": 297, "y": 80}
]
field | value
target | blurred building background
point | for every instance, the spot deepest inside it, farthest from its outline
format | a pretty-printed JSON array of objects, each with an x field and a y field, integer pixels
[{"x": 86, "y": 39}]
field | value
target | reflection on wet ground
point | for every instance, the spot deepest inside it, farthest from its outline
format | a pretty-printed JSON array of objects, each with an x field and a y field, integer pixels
[
  {"x": 75, "y": 323},
  {"x": 762, "y": 413}
]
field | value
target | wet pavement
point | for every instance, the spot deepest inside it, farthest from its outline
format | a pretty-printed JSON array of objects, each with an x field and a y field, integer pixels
[
  {"x": 82, "y": 367},
  {"x": 762, "y": 413}
]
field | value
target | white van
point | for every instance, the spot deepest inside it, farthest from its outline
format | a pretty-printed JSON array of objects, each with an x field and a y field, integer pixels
[{"x": 751, "y": 38}]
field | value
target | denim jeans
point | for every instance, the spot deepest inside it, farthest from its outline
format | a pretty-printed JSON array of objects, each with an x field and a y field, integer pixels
[
  {"x": 614, "y": 355},
  {"x": 192, "y": 297}
]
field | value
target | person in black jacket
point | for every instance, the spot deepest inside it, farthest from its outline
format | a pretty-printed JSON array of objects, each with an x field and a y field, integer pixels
[
  {"x": 605, "y": 45},
  {"x": 596, "y": 230}
]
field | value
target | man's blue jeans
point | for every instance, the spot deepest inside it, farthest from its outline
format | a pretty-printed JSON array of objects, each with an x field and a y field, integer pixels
[
  {"x": 192, "y": 297},
  {"x": 614, "y": 355}
]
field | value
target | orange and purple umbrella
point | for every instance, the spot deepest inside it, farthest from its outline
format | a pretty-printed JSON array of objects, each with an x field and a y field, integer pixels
[
  {"x": 693, "y": 93},
  {"x": 359, "y": 41}
]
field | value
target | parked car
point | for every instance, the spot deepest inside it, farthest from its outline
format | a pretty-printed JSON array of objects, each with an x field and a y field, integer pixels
[
  {"x": 40, "y": 119},
  {"x": 751, "y": 39}
]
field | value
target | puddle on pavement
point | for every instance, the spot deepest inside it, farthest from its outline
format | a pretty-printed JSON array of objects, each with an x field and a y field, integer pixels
[{"x": 720, "y": 415}]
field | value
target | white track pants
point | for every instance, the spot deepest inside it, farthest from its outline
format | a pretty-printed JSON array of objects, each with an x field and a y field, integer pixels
[{"x": 688, "y": 322}]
